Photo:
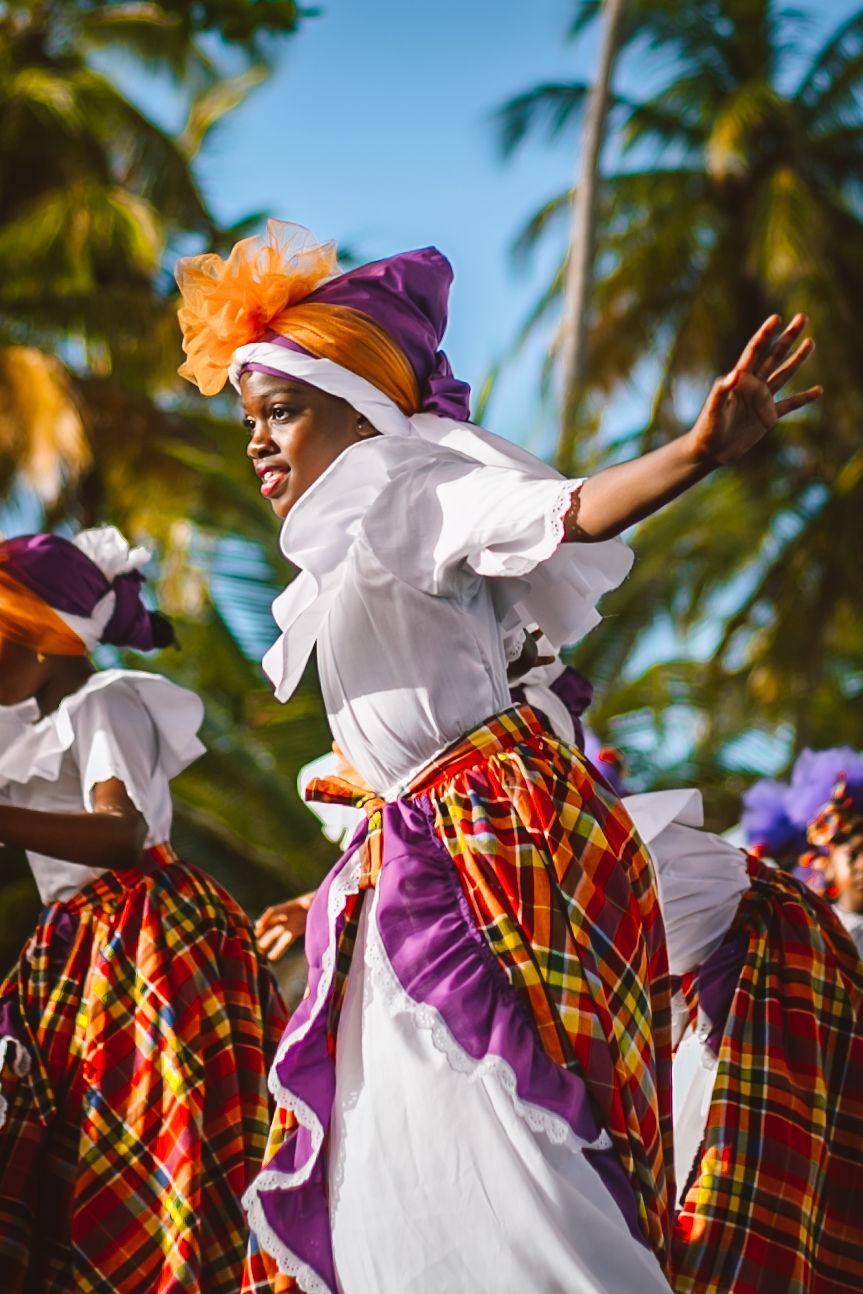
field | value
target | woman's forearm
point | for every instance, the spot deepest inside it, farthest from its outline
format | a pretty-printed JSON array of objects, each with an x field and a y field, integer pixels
[
  {"x": 106, "y": 839},
  {"x": 621, "y": 495}
]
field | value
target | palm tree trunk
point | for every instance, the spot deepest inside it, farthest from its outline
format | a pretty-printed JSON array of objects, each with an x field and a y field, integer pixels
[{"x": 579, "y": 275}]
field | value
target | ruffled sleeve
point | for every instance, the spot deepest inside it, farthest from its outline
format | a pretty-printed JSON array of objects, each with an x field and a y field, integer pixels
[
  {"x": 115, "y": 737},
  {"x": 129, "y": 724},
  {"x": 496, "y": 522}
]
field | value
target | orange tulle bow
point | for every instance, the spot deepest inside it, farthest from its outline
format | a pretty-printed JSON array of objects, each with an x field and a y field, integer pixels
[{"x": 228, "y": 303}]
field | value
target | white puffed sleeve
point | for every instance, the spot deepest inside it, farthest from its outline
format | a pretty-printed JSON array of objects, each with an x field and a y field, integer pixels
[
  {"x": 115, "y": 737},
  {"x": 701, "y": 877},
  {"x": 701, "y": 880},
  {"x": 497, "y": 522}
]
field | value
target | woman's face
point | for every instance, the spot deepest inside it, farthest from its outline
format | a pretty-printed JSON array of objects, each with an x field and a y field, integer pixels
[
  {"x": 21, "y": 674},
  {"x": 295, "y": 433},
  {"x": 845, "y": 870}
]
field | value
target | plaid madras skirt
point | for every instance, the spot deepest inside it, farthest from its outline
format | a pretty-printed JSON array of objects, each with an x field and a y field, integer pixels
[
  {"x": 776, "y": 1201},
  {"x": 139, "y": 1026},
  {"x": 563, "y": 893}
]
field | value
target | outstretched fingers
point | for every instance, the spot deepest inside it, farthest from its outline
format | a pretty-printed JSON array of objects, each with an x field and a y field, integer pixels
[
  {"x": 777, "y": 379},
  {"x": 758, "y": 344},
  {"x": 775, "y": 354},
  {"x": 798, "y": 401},
  {"x": 275, "y": 941}
]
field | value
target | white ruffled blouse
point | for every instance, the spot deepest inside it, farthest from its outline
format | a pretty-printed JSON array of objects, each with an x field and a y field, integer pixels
[
  {"x": 416, "y": 563},
  {"x": 126, "y": 724}
]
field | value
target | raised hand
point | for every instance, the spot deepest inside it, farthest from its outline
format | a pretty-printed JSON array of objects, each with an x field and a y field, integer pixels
[
  {"x": 741, "y": 407},
  {"x": 282, "y": 924}
]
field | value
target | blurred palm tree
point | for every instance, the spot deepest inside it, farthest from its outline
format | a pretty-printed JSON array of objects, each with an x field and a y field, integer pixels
[
  {"x": 95, "y": 199},
  {"x": 735, "y": 190}
]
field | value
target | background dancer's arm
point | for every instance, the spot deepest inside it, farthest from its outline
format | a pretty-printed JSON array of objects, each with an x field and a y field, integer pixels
[
  {"x": 111, "y": 836},
  {"x": 740, "y": 410}
]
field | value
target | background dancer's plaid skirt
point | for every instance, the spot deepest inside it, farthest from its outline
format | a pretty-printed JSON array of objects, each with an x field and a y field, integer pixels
[
  {"x": 776, "y": 1200},
  {"x": 563, "y": 893},
  {"x": 147, "y": 1025}
]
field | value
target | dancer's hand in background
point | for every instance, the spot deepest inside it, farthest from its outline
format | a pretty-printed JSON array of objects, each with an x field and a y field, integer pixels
[{"x": 282, "y": 925}]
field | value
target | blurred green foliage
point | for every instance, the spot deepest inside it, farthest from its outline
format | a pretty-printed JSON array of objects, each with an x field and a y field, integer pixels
[
  {"x": 733, "y": 189},
  {"x": 94, "y": 199}
]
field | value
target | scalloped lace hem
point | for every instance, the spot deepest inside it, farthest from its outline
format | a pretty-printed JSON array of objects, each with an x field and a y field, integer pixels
[
  {"x": 345, "y": 884},
  {"x": 429, "y": 1019},
  {"x": 20, "y": 1066},
  {"x": 286, "y": 1260},
  {"x": 559, "y": 508}
]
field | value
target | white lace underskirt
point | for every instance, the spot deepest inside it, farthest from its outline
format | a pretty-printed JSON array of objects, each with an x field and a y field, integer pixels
[{"x": 439, "y": 1184}]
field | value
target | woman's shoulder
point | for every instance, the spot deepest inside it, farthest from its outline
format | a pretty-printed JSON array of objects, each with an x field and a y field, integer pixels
[{"x": 122, "y": 699}]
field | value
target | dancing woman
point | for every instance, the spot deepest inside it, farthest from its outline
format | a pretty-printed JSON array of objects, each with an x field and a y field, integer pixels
[
  {"x": 137, "y": 1026},
  {"x": 474, "y": 1093},
  {"x": 768, "y": 1106}
]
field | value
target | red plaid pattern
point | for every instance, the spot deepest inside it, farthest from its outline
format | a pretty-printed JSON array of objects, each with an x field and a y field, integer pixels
[
  {"x": 564, "y": 893},
  {"x": 149, "y": 1025},
  {"x": 776, "y": 1202}
]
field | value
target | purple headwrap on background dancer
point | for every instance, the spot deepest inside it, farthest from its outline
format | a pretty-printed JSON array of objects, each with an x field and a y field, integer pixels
[{"x": 92, "y": 582}]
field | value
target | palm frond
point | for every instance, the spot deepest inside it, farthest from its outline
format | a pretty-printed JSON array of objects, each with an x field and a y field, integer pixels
[
  {"x": 835, "y": 69},
  {"x": 553, "y": 106},
  {"x": 215, "y": 103}
]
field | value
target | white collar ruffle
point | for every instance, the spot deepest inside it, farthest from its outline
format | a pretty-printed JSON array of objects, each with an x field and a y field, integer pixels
[
  {"x": 33, "y": 746},
  {"x": 317, "y": 537},
  {"x": 560, "y": 595}
]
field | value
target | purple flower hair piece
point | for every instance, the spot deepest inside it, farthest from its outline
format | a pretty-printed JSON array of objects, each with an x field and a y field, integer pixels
[
  {"x": 765, "y": 818},
  {"x": 814, "y": 777}
]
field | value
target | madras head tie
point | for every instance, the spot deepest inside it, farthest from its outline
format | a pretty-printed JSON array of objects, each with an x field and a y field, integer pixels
[{"x": 338, "y": 790}]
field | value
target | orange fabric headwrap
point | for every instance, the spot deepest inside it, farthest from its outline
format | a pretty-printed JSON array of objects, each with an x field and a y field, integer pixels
[
  {"x": 262, "y": 287},
  {"x": 350, "y": 338},
  {"x": 27, "y": 620}
]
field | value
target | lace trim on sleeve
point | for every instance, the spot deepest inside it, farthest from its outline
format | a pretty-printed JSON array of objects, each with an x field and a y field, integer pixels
[{"x": 567, "y": 498}]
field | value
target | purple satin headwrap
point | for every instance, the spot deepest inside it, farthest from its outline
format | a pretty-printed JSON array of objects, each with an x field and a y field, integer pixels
[
  {"x": 67, "y": 580},
  {"x": 407, "y": 295}
]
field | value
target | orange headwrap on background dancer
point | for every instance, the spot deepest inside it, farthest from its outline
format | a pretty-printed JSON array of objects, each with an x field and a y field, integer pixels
[
  {"x": 63, "y": 597},
  {"x": 26, "y": 619}
]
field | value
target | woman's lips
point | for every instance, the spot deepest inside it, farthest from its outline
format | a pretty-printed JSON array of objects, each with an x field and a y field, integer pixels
[{"x": 272, "y": 481}]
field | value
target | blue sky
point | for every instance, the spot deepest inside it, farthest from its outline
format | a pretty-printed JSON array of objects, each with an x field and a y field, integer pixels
[{"x": 377, "y": 129}]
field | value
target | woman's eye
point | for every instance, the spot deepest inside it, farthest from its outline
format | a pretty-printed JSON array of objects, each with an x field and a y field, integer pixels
[{"x": 280, "y": 411}]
